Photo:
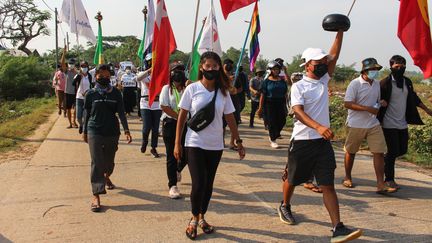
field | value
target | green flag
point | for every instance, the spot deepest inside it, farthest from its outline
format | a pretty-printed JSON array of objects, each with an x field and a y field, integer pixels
[
  {"x": 98, "y": 58},
  {"x": 141, "y": 47},
  {"x": 193, "y": 76}
]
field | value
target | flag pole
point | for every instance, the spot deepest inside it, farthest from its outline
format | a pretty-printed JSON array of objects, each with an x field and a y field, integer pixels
[
  {"x": 244, "y": 46},
  {"x": 195, "y": 27},
  {"x": 144, "y": 11},
  {"x": 349, "y": 12},
  {"x": 76, "y": 34},
  {"x": 190, "y": 61}
]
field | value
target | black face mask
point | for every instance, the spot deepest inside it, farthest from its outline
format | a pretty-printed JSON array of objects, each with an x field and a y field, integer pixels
[
  {"x": 178, "y": 76},
  {"x": 211, "y": 75},
  {"x": 104, "y": 81},
  {"x": 398, "y": 72},
  {"x": 398, "y": 75},
  {"x": 320, "y": 69}
]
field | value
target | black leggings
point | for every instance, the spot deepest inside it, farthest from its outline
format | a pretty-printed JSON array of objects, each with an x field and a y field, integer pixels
[
  {"x": 169, "y": 134},
  {"x": 202, "y": 166}
]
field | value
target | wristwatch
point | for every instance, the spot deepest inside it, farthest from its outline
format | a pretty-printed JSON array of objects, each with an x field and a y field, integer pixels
[{"x": 239, "y": 141}]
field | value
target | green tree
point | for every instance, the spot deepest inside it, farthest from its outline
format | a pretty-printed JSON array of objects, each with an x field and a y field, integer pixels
[
  {"x": 21, "y": 21},
  {"x": 180, "y": 56},
  {"x": 234, "y": 55},
  {"x": 261, "y": 62},
  {"x": 345, "y": 73},
  {"x": 294, "y": 66}
]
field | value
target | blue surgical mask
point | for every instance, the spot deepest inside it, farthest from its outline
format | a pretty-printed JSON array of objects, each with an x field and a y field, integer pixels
[{"x": 373, "y": 74}]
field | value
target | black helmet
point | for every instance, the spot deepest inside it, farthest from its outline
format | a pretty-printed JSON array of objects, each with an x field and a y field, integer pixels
[
  {"x": 273, "y": 64},
  {"x": 336, "y": 22}
]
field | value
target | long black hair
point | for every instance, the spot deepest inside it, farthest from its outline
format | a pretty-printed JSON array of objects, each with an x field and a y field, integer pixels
[{"x": 223, "y": 81}]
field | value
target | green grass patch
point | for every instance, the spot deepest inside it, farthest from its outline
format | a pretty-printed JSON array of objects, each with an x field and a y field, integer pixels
[{"x": 18, "y": 119}]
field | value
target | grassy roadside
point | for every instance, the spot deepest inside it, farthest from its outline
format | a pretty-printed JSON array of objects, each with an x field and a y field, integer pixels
[{"x": 18, "y": 119}]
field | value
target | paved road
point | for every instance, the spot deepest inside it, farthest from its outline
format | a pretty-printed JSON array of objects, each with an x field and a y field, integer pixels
[{"x": 47, "y": 199}]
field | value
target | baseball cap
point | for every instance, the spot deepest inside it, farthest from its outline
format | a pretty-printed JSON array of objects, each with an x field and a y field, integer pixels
[{"x": 312, "y": 54}]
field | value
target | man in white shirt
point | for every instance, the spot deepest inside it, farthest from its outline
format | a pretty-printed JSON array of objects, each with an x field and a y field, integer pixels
[
  {"x": 362, "y": 99},
  {"x": 310, "y": 152},
  {"x": 82, "y": 82}
]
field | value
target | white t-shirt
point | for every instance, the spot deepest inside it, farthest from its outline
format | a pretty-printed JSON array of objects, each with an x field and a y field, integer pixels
[
  {"x": 83, "y": 87},
  {"x": 168, "y": 98},
  {"x": 361, "y": 92},
  {"x": 128, "y": 80},
  {"x": 313, "y": 96},
  {"x": 143, "y": 84},
  {"x": 194, "y": 98}
]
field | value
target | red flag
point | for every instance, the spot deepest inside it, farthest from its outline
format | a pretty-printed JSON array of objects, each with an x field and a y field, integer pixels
[
  {"x": 414, "y": 32},
  {"x": 163, "y": 45},
  {"x": 229, "y": 6}
]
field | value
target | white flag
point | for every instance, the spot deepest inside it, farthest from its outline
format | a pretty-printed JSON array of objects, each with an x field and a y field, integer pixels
[
  {"x": 149, "y": 28},
  {"x": 210, "y": 35},
  {"x": 74, "y": 14}
]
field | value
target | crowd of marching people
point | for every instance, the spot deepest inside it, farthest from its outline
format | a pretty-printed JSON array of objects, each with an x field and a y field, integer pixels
[{"x": 194, "y": 116}]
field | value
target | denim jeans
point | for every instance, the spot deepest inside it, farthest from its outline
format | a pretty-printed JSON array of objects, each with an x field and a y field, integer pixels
[
  {"x": 151, "y": 120},
  {"x": 80, "y": 110}
]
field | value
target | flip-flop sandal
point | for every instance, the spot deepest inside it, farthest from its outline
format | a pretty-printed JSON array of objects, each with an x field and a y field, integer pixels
[
  {"x": 191, "y": 230},
  {"x": 386, "y": 191},
  {"x": 206, "y": 228},
  {"x": 312, "y": 187},
  {"x": 95, "y": 208},
  {"x": 317, "y": 189},
  {"x": 347, "y": 184}
]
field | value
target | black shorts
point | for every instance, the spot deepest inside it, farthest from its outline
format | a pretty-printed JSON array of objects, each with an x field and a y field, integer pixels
[
  {"x": 70, "y": 101},
  {"x": 311, "y": 157}
]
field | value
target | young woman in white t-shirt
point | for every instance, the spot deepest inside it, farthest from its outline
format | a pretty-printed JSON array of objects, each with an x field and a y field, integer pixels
[
  {"x": 204, "y": 148},
  {"x": 169, "y": 100}
]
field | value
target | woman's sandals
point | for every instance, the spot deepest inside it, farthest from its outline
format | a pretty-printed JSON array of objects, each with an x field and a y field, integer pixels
[
  {"x": 206, "y": 228},
  {"x": 191, "y": 230}
]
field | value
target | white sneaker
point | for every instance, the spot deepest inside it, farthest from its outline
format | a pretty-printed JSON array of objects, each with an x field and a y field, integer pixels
[
  {"x": 179, "y": 177},
  {"x": 273, "y": 144},
  {"x": 174, "y": 192}
]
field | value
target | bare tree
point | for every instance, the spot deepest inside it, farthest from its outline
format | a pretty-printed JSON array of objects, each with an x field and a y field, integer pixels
[{"x": 21, "y": 21}]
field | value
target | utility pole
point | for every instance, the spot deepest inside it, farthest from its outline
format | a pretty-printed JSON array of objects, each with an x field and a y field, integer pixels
[
  {"x": 56, "y": 37},
  {"x": 67, "y": 41}
]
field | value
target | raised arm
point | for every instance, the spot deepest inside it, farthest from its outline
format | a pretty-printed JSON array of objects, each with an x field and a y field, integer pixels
[{"x": 334, "y": 52}]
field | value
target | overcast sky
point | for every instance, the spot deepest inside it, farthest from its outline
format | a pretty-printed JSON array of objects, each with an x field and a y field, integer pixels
[{"x": 287, "y": 26}]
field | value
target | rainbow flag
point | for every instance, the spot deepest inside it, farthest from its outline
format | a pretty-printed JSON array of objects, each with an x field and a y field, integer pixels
[{"x": 254, "y": 47}]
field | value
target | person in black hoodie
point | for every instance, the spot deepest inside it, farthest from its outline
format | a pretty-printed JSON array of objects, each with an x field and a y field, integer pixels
[{"x": 398, "y": 110}]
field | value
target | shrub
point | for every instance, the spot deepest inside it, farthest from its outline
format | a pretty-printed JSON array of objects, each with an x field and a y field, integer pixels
[
  {"x": 338, "y": 116},
  {"x": 420, "y": 143},
  {"x": 22, "y": 77}
]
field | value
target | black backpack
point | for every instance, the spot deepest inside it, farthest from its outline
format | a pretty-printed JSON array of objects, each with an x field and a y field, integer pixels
[{"x": 203, "y": 117}]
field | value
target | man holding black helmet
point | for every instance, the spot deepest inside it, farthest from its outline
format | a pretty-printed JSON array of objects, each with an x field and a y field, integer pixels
[
  {"x": 310, "y": 151},
  {"x": 398, "y": 110}
]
